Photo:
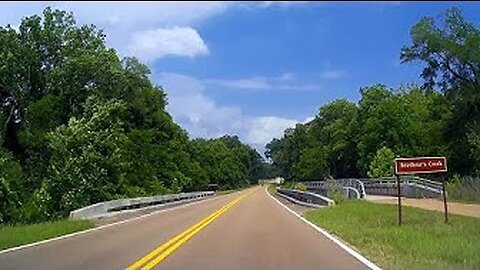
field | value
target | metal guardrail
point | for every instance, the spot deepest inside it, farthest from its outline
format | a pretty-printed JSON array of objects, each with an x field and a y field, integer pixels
[
  {"x": 310, "y": 198},
  {"x": 114, "y": 207}
]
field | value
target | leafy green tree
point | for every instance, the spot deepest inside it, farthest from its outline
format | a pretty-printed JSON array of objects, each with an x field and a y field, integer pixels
[
  {"x": 449, "y": 47},
  {"x": 409, "y": 122},
  {"x": 286, "y": 152},
  {"x": 383, "y": 163},
  {"x": 335, "y": 128},
  {"x": 371, "y": 130},
  {"x": 93, "y": 127},
  {"x": 88, "y": 160},
  {"x": 11, "y": 177},
  {"x": 312, "y": 165}
]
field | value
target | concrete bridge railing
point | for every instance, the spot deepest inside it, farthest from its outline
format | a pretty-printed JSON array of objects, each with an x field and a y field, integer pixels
[
  {"x": 305, "y": 198},
  {"x": 114, "y": 207},
  {"x": 411, "y": 186},
  {"x": 352, "y": 188}
]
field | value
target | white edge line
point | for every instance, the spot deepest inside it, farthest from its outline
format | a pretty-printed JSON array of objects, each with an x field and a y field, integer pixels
[
  {"x": 349, "y": 250},
  {"x": 111, "y": 224}
]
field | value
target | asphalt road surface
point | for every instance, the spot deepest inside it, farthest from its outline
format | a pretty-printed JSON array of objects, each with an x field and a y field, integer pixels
[{"x": 245, "y": 230}]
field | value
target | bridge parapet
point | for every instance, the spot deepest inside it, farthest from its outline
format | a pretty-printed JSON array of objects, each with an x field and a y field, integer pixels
[
  {"x": 306, "y": 198},
  {"x": 353, "y": 188},
  {"x": 114, "y": 207},
  {"x": 411, "y": 186}
]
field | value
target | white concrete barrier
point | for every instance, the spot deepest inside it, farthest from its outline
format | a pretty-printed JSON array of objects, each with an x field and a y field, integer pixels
[
  {"x": 115, "y": 207},
  {"x": 307, "y": 198}
]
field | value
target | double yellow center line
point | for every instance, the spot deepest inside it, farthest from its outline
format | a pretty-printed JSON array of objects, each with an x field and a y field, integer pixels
[{"x": 160, "y": 253}]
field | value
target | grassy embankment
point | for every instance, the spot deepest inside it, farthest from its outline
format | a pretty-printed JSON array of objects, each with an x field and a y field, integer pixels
[
  {"x": 424, "y": 241},
  {"x": 16, "y": 235}
]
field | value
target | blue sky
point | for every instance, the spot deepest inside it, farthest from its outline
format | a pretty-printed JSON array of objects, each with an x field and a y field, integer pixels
[{"x": 254, "y": 69}]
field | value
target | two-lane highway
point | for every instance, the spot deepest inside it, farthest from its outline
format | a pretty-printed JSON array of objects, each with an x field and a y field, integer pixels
[{"x": 245, "y": 230}]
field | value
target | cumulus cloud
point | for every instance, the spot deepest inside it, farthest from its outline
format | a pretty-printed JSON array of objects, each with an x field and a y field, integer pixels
[
  {"x": 148, "y": 30},
  {"x": 141, "y": 15},
  {"x": 175, "y": 41},
  {"x": 203, "y": 117},
  {"x": 264, "y": 128}
]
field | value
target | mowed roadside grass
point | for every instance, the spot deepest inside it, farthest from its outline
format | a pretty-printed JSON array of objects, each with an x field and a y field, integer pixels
[
  {"x": 17, "y": 235},
  {"x": 272, "y": 189},
  {"x": 424, "y": 241}
]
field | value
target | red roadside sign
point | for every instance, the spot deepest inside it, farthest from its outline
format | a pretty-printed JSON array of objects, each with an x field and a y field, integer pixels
[{"x": 420, "y": 165}]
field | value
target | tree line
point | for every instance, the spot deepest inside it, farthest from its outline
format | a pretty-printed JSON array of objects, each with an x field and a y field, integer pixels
[
  {"x": 439, "y": 117},
  {"x": 81, "y": 126}
]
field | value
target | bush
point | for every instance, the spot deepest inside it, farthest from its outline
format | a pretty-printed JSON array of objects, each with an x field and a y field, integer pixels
[
  {"x": 335, "y": 192},
  {"x": 336, "y": 195},
  {"x": 464, "y": 189},
  {"x": 300, "y": 186}
]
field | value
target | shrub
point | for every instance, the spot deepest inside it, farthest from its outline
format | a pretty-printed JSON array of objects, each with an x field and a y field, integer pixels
[
  {"x": 300, "y": 186},
  {"x": 336, "y": 195},
  {"x": 464, "y": 189},
  {"x": 335, "y": 192}
]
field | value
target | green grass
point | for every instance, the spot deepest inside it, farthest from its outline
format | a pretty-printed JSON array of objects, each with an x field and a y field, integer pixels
[
  {"x": 464, "y": 190},
  {"x": 272, "y": 189},
  {"x": 16, "y": 235},
  {"x": 424, "y": 241}
]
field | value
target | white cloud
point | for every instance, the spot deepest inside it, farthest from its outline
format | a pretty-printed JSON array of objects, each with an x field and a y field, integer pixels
[
  {"x": 308, "y": 119},
  {"x": 141, "y": 15},
  {"x": 201, "y": 116},
  {"x": 254, "y": 83},
  {"x": 285, "y": 81},
  {"x": 263, "y": 129},
  {"x": 301, "y": 88},
  {"x": 125, "y": 22},
  {"x": 332, "y": 74},
  {"x": 161, "y": 42},
  {"x": 287, "y": 76}
]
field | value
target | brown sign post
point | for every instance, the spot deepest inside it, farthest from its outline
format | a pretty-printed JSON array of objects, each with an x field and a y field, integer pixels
[{"x": 420, "y": 165}]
